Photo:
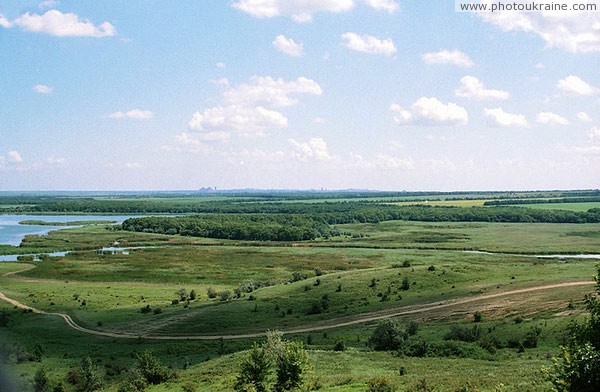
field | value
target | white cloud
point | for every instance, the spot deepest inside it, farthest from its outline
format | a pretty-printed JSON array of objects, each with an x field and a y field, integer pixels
[
  {"x": 133, "y": 165},
  {"x": 5, "y": 22},
  {"x": 470, "y": 87},
  {"x": 134, "y": 114},
  {"x": 301, "y": 11},
  {"x": 594, "y": 134},
  {"x": 55, "y": 23},
  {"x": 188, "y": 143},
  {"x": 575, "y": 86},
  {"x": 315, "y": 148},
  {"x": 288, "y": 46},
  {"x": 369, "y": 44},
  {"x": 429, "y": 111},
  {"x": 220, "y": 65},
  {"x": 249, "y": 109},
  {"x": 549, "y": 118},
  {"x": 247, "y": 121},
  {"x": 319, "y": 120},
  {"x": 47, "y": 4},
  {"x": 499, "y": 118},
  {"x": 58, "y": 161},
  {"x": 271, "y": 92},
  {"x": 14, "y": 156},
  {"x": 384, "y": 5},
  {"x": 42, "y": 89},
  {"x": 455, "y": 57},
  {"x": 575, "y": 32},
  {"x": 584, "y": 117}
]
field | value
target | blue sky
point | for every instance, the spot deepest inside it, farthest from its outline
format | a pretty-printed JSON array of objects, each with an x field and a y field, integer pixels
[{"x": 302, "y": 94}]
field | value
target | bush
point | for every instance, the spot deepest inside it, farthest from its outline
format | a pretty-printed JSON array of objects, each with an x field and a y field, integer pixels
[
  {"x": 388, "y": 335},
  {"x": 339, "y": 346},
  {"x": 477, "y": 317},
  {"x": 41, "y": 382},
  {"x": 380, "y": 384},
  {"x": 211, "y": 292},
  {"x": 135, "y": 382},
  {"x": 578, "y": 367},
  {"x": 151, "y": 369},
  {"x": 88, "y": 377},
  {"x": 224, "y": 295},
  {"x": 254, "y": 371},
  {"x": 464, "y": 334}
]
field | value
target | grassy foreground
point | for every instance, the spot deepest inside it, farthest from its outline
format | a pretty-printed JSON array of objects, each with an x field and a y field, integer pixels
[{"x": 303, "y": 284}]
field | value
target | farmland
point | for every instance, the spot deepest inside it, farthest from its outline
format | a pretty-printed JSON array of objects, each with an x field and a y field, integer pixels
[{"x": 329, "y": 291}]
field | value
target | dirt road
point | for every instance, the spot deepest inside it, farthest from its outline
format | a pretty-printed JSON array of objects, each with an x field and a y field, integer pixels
[{"x": 320, "y": 326}]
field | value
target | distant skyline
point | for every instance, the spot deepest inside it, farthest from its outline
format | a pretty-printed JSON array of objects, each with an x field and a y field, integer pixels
[{"x": 296, "y": 94}]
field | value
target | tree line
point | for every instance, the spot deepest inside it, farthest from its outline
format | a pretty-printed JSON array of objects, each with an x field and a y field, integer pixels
[{"x": 318, "y": 221}]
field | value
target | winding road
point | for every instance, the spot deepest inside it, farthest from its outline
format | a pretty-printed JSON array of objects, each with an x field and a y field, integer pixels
[{"x": 329, "y": 324}]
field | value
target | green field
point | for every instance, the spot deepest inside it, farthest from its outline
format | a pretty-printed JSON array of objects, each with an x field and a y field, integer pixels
[{"x": 320, "y": 292}]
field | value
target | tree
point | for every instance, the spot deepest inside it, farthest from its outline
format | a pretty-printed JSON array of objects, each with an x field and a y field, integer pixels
[
  {"x": 88, "y": 376},
  {"x": 291, "y": 365},
  {"x": 151, "y": 369},
  {"x": 578, "y": 367},
  {"x": 388, "y": 335},
  {"x": 254, "y": 370}
]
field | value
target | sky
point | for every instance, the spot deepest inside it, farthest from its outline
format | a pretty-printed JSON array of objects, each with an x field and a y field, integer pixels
[{"x": 296, "y": 94}]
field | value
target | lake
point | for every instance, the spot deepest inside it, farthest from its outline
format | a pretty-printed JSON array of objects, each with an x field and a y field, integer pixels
[{"x": 11, "y": 232}]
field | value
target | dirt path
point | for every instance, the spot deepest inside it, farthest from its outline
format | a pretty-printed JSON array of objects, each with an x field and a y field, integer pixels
[{"x": 329, "y": 324}]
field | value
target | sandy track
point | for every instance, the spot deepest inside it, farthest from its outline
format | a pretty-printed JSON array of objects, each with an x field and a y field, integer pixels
[{"x": 319, "y": 326}]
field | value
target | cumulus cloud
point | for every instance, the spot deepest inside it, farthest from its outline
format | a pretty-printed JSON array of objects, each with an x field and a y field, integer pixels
[
  {"x": 247, "y": 121},
  {"x": 42, "y": 89},
  {"x": 14, "y": 156},
  {"x": 594, "y": 134},
  {"x": 549, "y": 118},
  {"x": 470, "y": 87},
  {"x": 271, "y": 92},
  {"x": 575, "y": 86},
  {"x": 288, "y": 46},
  {"x": 575, "y": 32},
  {"x": 314, "y": 149},
  {"x": 369, "y": 44},
  {"x": 429, "y": 111},
  {"x": 584, "y": 117},
  {"x": 55, "y": 23},
  {"x": 301, "y": 11},
  {"x": 389, "y": 6},
  {"x": 134, "y": 114},
  {"x": 455, "y": 57},
  {"x": 251, "y": 109},
  {"x": 5, "y": 22},
  {"x": 499, "y": 118}
]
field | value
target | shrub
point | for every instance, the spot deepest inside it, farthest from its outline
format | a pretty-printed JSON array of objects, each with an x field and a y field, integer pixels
[
  {"x": 388, "y": 335},
  {"x": 211, "y": 292},
  {"x": 193, "y": 295},
  {"x": 405, "y": 284},
  {"x": 339, "y": 346},
  {"x": 380, "y": 384},
  {"x": 41, "y": 382},
  {"x": 254, "y": 370},
  {"x": 464, "y": 334},
  {"x": 477, "y": 317},
  {"x": 88, "y": 377},
  {"x": 298, "y": 276},
  {"x": 224, "y": 295},
  {"x": 151, "y": 369}
]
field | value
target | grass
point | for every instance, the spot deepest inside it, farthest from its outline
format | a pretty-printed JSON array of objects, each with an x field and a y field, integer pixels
[{"x": 357, "y": 274}]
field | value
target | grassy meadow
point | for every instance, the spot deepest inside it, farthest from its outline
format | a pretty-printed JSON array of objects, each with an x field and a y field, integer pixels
[{"x": 327, "y": 293}]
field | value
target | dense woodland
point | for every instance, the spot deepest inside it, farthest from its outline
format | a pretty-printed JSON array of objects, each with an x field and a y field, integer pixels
[{"x": 295, "y": 222}]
